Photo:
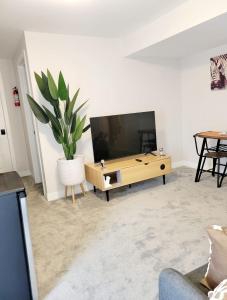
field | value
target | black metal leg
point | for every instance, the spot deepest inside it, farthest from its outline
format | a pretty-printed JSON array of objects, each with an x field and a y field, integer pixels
[
  {"x": 94, "y": 188},
  {"x": 214, "y": 166},
  {"x": 223, "y": 174},
  {"x": 215, "y": 159},
  {"x": 200, "y": 160},
  {"x": 201, "y": 170},
  {"x": 218, "y": 175},
  {"x": 129, "y": 185},
  {"x": 107, "y": 196},
  {"x": 164, "y": 179}
]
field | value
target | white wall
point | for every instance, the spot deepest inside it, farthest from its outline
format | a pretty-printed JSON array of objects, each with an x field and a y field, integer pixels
[
  {"x": 114, "y": 84},
  {"x": 202, "y": 108},
  {"x": 15, "y": 118}
]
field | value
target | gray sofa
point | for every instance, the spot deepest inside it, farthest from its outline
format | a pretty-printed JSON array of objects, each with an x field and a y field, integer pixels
[{"x": 175, "y": 286}]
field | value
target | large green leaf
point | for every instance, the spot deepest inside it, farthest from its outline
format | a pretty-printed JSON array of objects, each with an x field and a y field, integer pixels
[
  {"x": 73, "y": 124},
  {"x": 66, "y": 136},
  {"x": 86, "y": 128},
  {"x": 58, "y": 137},
  {"x": 57, "y": 109},
  {"x": 81, "y": 106},
  {"x": 72, "y": 149},
  {"x": 62, "y": 89},
  {"x": 68, "y": 91},
  {"x": 52, "y": 86},
  {"x": 67, "y": 152},
  {"x": 79, "y": 130},
  {"x": 68, "y": 100},
  {"x": 38, "y": 111},
  {"x": 42, "y": 83},
  {"x": 71, "y": 106},
  {"x": 53, "y": 119},
  {"x": 66, "y": 119}
]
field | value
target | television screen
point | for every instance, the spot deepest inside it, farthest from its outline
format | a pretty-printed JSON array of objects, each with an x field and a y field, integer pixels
[{"x": 123, "y": 135}]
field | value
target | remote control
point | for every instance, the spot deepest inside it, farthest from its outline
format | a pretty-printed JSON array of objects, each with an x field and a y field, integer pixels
[{"x": 139, "y": 160}]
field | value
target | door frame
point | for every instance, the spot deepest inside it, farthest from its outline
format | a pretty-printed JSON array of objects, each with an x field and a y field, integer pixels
[
  {"x": 25, "y": 86},
  {"x": 22, "y": 58},
  {"x": 7, "y": 123},
  {"x": 29, "y": 124}
]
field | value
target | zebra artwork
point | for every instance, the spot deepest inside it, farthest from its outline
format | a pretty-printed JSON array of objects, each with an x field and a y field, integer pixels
[{"x": 218, "y": 72}]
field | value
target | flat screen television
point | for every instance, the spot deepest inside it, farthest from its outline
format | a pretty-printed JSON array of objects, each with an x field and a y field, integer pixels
[{"x": 123, "y": 135}]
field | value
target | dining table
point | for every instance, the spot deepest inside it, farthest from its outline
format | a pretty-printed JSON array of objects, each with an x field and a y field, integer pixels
[{"x": 218, "y": 138}]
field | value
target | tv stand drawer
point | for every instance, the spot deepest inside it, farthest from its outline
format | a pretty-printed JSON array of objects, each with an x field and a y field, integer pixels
[{"x": 145, "y": 171}]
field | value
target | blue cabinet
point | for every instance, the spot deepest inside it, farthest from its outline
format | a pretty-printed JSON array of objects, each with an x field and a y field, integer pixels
[{"x": 17, "y": 274}]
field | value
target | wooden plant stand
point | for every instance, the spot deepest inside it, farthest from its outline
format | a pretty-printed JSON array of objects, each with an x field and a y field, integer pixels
[
  {"x": 73, "y": 191},
  {"x": 127, "y": 170}
]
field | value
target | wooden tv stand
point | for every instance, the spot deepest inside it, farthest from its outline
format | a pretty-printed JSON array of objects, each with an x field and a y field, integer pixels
[{"x": 127, "y": 170}]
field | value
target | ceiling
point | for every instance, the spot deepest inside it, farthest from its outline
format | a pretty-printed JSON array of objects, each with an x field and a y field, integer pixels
[
  {"x": 106, "y": 18},
  {"x": 188, "y": 42}
]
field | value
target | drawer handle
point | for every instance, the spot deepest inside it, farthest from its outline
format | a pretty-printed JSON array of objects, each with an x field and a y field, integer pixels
[{"x": 162, "y": 167}]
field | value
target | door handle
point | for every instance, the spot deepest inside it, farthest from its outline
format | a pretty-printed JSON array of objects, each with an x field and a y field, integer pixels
[{"x": 3, "y": 132}]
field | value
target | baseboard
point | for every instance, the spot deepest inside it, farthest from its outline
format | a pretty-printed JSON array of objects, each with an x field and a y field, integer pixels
[
  {"x": 55, "y": 195},
  {"x": 184, "y": 163},
  {"x": 177, "y": 164},
  {"x": 189, "y": 164},
  {"x": 24, "y": 173}
]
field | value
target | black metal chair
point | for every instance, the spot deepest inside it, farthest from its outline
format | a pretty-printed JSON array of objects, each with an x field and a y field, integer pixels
[
  {"x": 216, "y": 153},
  {"x": 215, "y": 156}
]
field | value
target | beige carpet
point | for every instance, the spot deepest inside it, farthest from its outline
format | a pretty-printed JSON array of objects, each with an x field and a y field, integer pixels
[{"x": 99, "y": 250}]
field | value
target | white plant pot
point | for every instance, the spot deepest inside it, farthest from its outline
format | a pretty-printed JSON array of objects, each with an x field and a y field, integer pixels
[{"x": 71, "y": 172}]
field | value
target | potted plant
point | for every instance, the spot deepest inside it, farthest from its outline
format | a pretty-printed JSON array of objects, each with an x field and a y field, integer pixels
[{"x": 65, "y": 122}]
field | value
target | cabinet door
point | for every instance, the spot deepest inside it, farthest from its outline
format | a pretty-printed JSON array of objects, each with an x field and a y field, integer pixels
[
  {"x": 143, "y": 171},
  {"x": 14, "y": 278}
]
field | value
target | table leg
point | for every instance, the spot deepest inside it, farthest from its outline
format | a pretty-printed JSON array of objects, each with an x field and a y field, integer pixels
[
  {"x": 223, "y": 174},
  {"x": 201, "y": 168},
  {"x": 200, "y": 160},
  {"x": 218, "y": 175},
  {"x": 164, "y": 179},
  {"x": 107, "y": 196},
  {"x": 215, "y": 159}
]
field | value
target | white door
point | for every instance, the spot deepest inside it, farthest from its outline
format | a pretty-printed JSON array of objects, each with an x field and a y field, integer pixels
[{"x": 5, "y": 156}]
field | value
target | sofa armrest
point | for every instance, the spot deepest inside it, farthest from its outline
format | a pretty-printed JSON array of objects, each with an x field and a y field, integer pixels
[{"x": 175, "y": 286}]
